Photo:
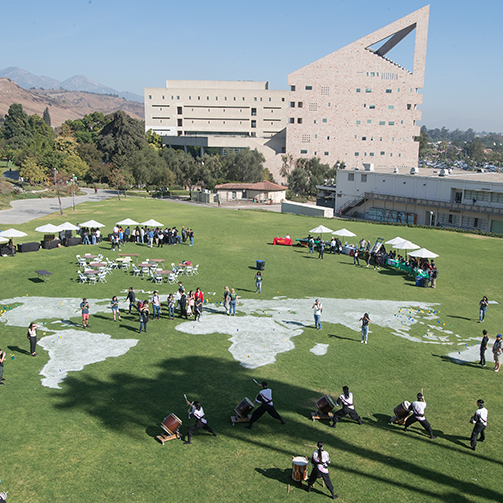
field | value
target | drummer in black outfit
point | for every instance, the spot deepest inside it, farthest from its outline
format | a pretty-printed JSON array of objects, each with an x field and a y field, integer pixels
[
  {"x": 320, "y": 461},
  {"x": 417, "y": 408},
  {"x": 197, "y": 412},
  {"x": 346, "y": 400},
  {"x": 265, "y": 399}
]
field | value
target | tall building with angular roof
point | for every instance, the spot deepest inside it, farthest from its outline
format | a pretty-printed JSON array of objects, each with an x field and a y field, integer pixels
[{"x": 356, "y": 105}]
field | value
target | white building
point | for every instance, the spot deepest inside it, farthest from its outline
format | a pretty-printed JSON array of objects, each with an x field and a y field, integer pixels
[{"x": 421, "y": 196}]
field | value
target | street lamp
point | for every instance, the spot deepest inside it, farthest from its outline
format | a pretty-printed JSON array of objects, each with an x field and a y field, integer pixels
[{"x": 74, "y": 179}]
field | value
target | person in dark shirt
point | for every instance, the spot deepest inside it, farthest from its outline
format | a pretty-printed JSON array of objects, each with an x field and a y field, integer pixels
[{"x": 483, "y": 348}]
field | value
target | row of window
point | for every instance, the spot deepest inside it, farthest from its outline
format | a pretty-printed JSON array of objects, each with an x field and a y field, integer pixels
[
  {"x": 381, "y": 123},
  {"x": 371, "y": 138},
  {"x": 466, "y": 222},
  {"x": 216, "y": 98},
  {"x": 484, "y": 195},
  {"x": 371, "y": 154},
  {"x": 387, "y": 91},
  {"x": 351, "y": 176}
]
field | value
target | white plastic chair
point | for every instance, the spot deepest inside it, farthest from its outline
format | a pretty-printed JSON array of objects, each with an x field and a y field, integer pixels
[
  {"x": 136, "y": 271},
  {"x": 82, "y": 277},
  {"x": 195, "y": 270},
  {"x": 102, "y": 277},
  {"x": 189, "y": 270}
]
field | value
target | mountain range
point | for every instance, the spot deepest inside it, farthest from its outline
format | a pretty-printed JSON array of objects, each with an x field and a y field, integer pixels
[{"x": 28, "y": 80}]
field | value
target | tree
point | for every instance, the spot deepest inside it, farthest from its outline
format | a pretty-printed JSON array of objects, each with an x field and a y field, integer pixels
[
  {"x": 182, "y": 165},
  {"x": 123, "y": 136},
  {"x": 244, "y": 166},
  {"x": 16, "y": 129},
  {"x": 47, "y": 116},
  {"x": 298, "y": 181},
  {"x": 153, "y": 139},
  {"x": 118, "y": 180},
  {"x": 308, "y": 174},
  {"x": 476, "y": 151},
  {"x": 423, "y": 142},
  {"x": 92, "y": 157},
  {"x": 87, "y": 129},
  {"x": 32, "y": 171},
  {"x": 149, "y": 168}
]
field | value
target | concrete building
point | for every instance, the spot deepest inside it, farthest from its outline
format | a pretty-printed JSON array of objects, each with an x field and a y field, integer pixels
[
  {"x": 356, "y": 105},
  {"x": 219, "y": 114},
  {"x": 260, "y": 191},
  {"x": 421, "y": 196}
]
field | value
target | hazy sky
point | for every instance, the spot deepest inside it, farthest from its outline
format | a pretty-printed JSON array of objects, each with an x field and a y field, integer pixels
[{"x": 129, "y": 45}]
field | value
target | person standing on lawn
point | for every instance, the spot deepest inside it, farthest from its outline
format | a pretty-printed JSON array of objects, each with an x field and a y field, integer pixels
[
  {"x": 365, "y": 319},
  {"x": 171, "y": 307},
  {"x": 258, "y": 282},
  {"x": 2, "y": 359},
  {"x": 483, "y": 348},
  {"x": 227, "y": 299},
  {"x": 198, "y": 304},
  {"x": 32, "y": 337},
  {"x": 497, "y": 352},
  {"x": 156, "y": 304},
  {"x": 143, "y": 313},
  {"x": 84, "y": 307},
  {"x": 114, "y": 304},
  {"x": 234, "y": 301},
  {"x": 320, "y": 462},
  {"x": 479, "y": 419},
  {"x": 321, "y": 249},
  {"x": 318, "y": 308},
  {"x": 483, "y": 308}
]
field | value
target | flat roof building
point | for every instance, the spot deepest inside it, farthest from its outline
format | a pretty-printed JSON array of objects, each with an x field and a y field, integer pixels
[{"x": 219, "y": 114}]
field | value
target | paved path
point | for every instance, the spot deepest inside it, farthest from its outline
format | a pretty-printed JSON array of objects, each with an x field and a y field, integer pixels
[{"x": 25, "y": 210}]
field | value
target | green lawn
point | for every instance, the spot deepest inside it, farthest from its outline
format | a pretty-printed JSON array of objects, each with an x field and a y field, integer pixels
[{"x": 94, "y": 439}]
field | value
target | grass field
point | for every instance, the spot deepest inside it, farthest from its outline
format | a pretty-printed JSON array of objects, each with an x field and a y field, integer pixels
[{"x": 94, "y": 439}]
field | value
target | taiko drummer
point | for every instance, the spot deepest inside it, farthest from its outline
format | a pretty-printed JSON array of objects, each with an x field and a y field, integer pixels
[
  {"x": 320, "y": 461},
  {"x": 265, "y": 399},
  {"x": 197, "y": 412}
]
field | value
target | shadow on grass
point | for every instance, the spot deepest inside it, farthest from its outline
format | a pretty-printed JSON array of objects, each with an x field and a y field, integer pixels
[
  {"x": 459, "y": 317},
  {"x": 343, "y": 338},
  {"x": 448, "y": 359},
  {"x": 36, "y": 280},
  {"x": 124, "y": 399},
  {"x": 17, "y": 349}
]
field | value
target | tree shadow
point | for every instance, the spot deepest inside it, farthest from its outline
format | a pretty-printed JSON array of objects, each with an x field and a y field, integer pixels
[{"x": 123, "y": 399}]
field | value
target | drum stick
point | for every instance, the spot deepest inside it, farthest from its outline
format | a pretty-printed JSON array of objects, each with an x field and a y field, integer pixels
[{"x": 255, "y": 382}]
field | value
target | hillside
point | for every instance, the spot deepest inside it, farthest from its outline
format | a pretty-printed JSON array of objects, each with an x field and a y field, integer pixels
[{"x": 63, "y": 105}]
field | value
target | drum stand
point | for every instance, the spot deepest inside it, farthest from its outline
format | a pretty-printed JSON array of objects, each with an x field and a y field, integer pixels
[
  {"x": 164, "y": 437},
  {"x": 319, "y": 415},
  {"x": 238, "y": 419}
]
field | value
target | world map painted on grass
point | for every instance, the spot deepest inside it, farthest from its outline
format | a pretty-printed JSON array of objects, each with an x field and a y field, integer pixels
[{"x": 262, "y": 329}]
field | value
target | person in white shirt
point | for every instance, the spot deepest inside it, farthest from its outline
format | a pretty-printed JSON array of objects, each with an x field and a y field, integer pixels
[
  {"x": 479, "y": 419},
  {"x": 318, "y": 308},
  {"x": 417, "y": 409},
  {"x": 320, "y": 461},
  {"x": 197, "y": 412},
  {"x": 346, "y": 400},
  {"x": 156, "y": 303},
  {"x": 265, "y": 399}
]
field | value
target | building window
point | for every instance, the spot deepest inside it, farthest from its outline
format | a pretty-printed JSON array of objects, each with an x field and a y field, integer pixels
[
  {"x": 364, "y": 138},
  {"x": 357, "y": 154},
  {"x": 329, "y": 105},
  {"x": 371, "y": 154},
  {"x": 391, "y": 123},
  {"x": 253, "y": 123},
  {"x": 207, "y": 98},
  {"x": 328, "y": 137},
  {"x": 149, "y": 96},
  {"x": 364, "y": 178},
  {"x": 314, "y": 121},
  {"x": 300, "y": 104},
  {"x": 303, "y": 151},
  {"x": 299, "y": 120},
  {"x": 292, "y": 104},
  {"x": 409, "y": 107},
  {"x": 179, "y": 110},
  {"x": 391, "y": 107},
  {"x": 326, "y": 153},
  {"x": 254, "y": 111},
  {"x": 291, "y": 120},
  {"x": 179, "y": 122},
  {"x": 358, "y": 123},
  {"x": 325, "y": 91},
  {"x": 255, "y": 99},
  {"x": 309, "y": 88},
  {"x": 243, "y": 98},
  {"x": 282, "y": 99},
  {"x": 380, "y": 139},
  {"x": 292, "y": 88},
  {"x": 358, "y": 90},
  {"x": 316, "y": 136},
  {"x": 382, "y": 123},
  {"x": 388, "y": 91},
  {"x": 269, "y": 99},
  {"x": 368, "y": 90},
  {"x": 306, "y": 138},
  {"x": 369, "y": 121},
  {"x": 313, "y": 107},
  {"x": 382, "y": 152},
  {"x": 351, "y": 177},
  {"x": 372, "y": 107},
  {"x": 163, "y": 97}
]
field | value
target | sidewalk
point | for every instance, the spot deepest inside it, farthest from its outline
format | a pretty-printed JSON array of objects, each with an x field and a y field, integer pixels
[{"x": 26, "y": 210}]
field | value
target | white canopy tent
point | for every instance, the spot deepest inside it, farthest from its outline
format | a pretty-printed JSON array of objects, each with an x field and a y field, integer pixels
[
  {"x": 92, "y": 223},
  {"x": 395, "y": 241},
  {"x": 344, "y": 233},
  {"x": 151, "y": 223},
  {"x": 12, "y": 233},
  {"x": 67, "y": 226},
  {"x": 423, "y": 253},
  {"x": 48, "y": 229},
  {"x": 128, "y": 221}
]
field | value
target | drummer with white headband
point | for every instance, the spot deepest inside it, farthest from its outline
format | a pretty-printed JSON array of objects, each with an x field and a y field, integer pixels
[
  {"x": 320, "y": 461},
  {"x": 197, "y": 412}
]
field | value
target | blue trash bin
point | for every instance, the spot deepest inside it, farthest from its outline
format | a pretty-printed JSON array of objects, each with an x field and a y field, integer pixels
[
  {"x": 260, "y": 265},
  {"x": 419, "y": 281}
]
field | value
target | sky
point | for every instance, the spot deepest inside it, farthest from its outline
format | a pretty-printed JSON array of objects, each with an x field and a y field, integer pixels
[{"x": 130, "y": 45}]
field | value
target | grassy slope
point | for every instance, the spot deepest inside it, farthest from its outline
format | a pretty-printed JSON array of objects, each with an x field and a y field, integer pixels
[{"x": 94, "y": 438}]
